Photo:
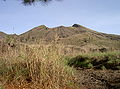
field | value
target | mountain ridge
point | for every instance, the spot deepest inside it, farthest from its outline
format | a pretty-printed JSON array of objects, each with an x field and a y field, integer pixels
[{"x": 74, "y": 38}]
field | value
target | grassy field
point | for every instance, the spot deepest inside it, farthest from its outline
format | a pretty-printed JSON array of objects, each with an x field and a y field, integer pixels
[
  {"x": 35, "y": 67},
  {"x": 43, "y": 66}
]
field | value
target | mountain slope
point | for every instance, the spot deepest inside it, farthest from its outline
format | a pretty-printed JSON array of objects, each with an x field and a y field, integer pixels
[
  {"x": 50, "y": 34},
  {"x": 2, "y": 35},
  {"x": 75, "y": 38}
]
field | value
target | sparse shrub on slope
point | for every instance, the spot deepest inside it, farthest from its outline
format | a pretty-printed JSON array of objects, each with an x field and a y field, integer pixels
[{"x": 109, "y": 60}]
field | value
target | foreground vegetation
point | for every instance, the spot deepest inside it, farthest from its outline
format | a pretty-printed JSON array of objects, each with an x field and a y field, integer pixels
[
  {"x": 35, "y": 67},
  {"x": 43, "y": 66}
]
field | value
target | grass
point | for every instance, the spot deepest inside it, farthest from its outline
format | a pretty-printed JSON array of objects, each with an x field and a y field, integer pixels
[
  {"x": 41, "y": 67},
  {"x": 107, "y": 60},
  {"x": 1, "y": 88}
]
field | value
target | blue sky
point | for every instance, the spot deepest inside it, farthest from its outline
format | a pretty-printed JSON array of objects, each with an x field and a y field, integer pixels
[{"x": 99, "y": 15}]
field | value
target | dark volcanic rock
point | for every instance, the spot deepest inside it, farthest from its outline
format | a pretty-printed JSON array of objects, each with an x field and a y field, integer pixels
[{"x": 76, "y": 25}]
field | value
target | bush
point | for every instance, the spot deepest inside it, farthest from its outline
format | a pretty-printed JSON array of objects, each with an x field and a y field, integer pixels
[
  {"x": 97, "y": 61},
  {"x": 38, "y": 66}
]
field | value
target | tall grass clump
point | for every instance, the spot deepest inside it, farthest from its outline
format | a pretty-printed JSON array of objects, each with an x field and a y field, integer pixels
[{"x": 39, "y": 66}]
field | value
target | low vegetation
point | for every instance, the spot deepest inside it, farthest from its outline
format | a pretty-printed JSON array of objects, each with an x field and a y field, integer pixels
[
  {"x": 37, "y": 59},
  {"x": 38, "y": 66},
  {"x": 107, "y": 60}
]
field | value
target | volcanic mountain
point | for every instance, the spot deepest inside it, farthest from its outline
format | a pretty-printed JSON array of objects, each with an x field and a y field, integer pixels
[{"x": 75, "y": 38}]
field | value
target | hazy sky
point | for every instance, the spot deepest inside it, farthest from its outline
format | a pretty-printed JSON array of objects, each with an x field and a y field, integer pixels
[{"x": 99, "y": 15}]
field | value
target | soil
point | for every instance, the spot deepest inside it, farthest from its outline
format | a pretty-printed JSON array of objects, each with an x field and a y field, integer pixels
[{"x": 98, "y": 79}]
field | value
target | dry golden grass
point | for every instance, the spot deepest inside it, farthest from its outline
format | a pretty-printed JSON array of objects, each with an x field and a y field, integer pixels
[{"x": 37, "y": 65}]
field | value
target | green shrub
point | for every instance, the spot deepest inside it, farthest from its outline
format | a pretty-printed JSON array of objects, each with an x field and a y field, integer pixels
[
  {"x": 1, "y": 87},
  {"x": 103, "y": 67},
  {"x": 102, "y": 61}
]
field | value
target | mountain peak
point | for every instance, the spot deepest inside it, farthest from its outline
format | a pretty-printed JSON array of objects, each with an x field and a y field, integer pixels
[
  {"x": 76, "y": 25},
  {"x": 61, "y": 26},
  {"x": 42, "y": 26}
]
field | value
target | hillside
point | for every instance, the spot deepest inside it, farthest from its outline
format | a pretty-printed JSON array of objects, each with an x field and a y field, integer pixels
[
  {"x": 72, "y": 57},
  {"x": 50, "y": 34},
  {"x": 2, "y": 35},
  {"x": 75, "y": 38}
]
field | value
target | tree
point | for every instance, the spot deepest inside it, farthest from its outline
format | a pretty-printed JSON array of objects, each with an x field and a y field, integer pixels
[
  {"x": 32, "y": 1},
  {"x": 29, "y": 2}
]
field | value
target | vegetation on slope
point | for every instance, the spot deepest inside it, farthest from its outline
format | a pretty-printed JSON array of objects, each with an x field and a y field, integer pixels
[
  {"x": 34, "y": 59},
  {"x": 75, "y": 38},
  {"x": 85, "y": 39},
  {"x": 110, "y": 60}
]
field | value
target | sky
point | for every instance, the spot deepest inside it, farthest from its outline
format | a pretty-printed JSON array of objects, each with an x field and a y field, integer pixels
[{"x": 99, "y": 15}]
